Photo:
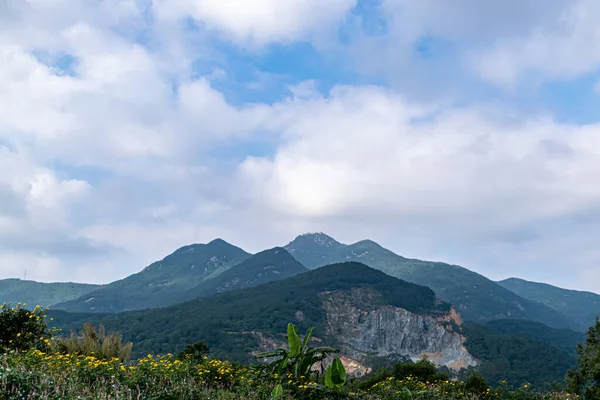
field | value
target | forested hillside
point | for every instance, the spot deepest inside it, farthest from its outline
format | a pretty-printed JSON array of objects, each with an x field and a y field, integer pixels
[{"x": 582, "y": 307}]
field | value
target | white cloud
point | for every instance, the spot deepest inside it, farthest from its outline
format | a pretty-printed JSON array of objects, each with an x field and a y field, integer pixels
[
  {"x": 360, "y": 147},
  {"x": 127, "y": 145},
  {"x": 357, "y": 159},
  {"x": 469, "y": 20},
  {"x": 566, "y": 47},
  {"x": 260, "y": 22}
]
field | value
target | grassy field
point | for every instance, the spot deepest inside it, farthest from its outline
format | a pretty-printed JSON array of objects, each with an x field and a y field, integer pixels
[{"x": 36, "y": 375}]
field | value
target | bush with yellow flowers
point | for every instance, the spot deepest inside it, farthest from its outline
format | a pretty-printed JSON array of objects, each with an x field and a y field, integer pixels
[{"x": 22, "y": 329}]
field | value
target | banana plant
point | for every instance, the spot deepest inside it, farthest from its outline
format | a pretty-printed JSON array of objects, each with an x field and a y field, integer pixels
[
  {"x": 299, "y": 358},
  {"x": 335, "y": 375}
]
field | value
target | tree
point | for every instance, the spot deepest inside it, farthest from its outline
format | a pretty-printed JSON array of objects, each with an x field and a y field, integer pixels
[
  {"x": 22, "y": 329},
  {"x": 476, "y": 383},
  {"x": 586, "y": 380},
  {"x": 423, "y": 370},
  {"x": 194, "y": 352}
]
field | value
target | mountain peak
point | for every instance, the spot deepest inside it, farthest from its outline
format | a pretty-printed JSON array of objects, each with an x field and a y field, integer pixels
[
  {"x": 275, "y": 250},
  {"x": 191, "y": 248},
  {"x": 316, "y": 238},
  {"x": 314, "y": 249},
  {"x": 218, "y": 242},
  {"x": 366, "y": 243}
]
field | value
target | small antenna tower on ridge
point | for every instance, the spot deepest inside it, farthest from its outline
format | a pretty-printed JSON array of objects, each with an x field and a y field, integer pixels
[{"x": 25, "y": 275}]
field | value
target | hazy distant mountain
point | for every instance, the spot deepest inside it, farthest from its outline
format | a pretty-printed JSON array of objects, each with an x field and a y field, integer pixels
[
  {"x": 473, "y": 295},
  {"x": 583, "y": 307},
  {"x": 161, "y": 283},
  {"x": 38, "y": 293}
]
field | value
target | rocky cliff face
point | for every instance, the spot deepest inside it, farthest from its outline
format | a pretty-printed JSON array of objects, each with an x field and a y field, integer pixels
[{"x": 363, "y": 331}]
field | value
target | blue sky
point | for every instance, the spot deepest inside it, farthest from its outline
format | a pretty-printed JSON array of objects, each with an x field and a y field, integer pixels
[{"x": 463, "y": 131}]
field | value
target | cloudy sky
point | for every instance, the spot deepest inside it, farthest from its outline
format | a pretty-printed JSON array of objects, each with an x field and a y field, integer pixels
[{"x": 464, "y": 131}]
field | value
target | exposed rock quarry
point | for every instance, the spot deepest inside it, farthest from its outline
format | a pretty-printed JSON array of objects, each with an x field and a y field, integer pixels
[{"x": 366, "y": 331}]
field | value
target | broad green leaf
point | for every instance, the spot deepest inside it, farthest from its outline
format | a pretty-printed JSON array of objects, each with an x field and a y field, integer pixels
[
  {"x": 338, "y": 372},
  {"x": 293, "y": 340},
  {"x": 307, "y": 337},
  {"x": 277, "y": 392},
  {"x": 327, "y": 381}
]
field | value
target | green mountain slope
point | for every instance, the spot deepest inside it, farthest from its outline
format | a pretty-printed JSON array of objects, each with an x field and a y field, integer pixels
[
  {"x": 236, "y": 322},
  {"x": 565, "y": 339},
  {"x": 474, "y": 296},
  {"x": 227, "y": 321},
  {"x": 39, "y": 293},
  {"x": 266, "y": 266},
  {"x": 161, "y": 283},
  {"x": 522, "y": 351},
  {"x": 583, "y": 307}
]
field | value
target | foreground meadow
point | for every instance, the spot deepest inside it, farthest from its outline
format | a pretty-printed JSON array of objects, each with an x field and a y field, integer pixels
[{"x": 33, "y": 374}]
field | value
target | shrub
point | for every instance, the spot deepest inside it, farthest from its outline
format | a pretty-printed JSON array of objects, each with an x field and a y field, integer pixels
[
  {"x": 422, "y": 370},
  {"x": 194, "y": 352},
  {"x": 476, "y": 383},
  {"x": 96, "y": 343},
  {"x": 22, "y": 329}
]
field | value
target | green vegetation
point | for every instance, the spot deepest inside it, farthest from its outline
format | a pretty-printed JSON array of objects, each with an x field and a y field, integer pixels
[
  {"x": 564, "y": 339},
  {"x": 45, "y": 294},
  {"x": 95, "y": 343},
  {"x": 161, "y": 283},
  {"x": 34, "y": 374},
  {"x": 582, "y": 307},
  {"x": 298, "y": 359},
  {"x": 474, "y": 296},
  {"x": 586, "y": 379},
  {"x": 335, "y": 376},
  {"x": 516, "y": 357},
  {"x": 37, "y": 375},
  {"x": 235, "y": 323},
  {"x": 266, "y": 266},
  {"x": 226, "y": 321},
  {"x": 476, "y": 384},
  {"x": 295, "y": 364},
  {"x": 194, "y": 352},
  {"x": 22, "y": 329}
]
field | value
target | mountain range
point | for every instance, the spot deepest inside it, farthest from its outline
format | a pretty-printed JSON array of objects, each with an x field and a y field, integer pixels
[
  {"x": 375, "y": 305},
  {"x": 162, "y": 282},
  {"x": 204, "y": 269},
  {"x": 39, "y": 293},
  {"x": 374, "y": 319},
  {"x": 362, "y": 310}
]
